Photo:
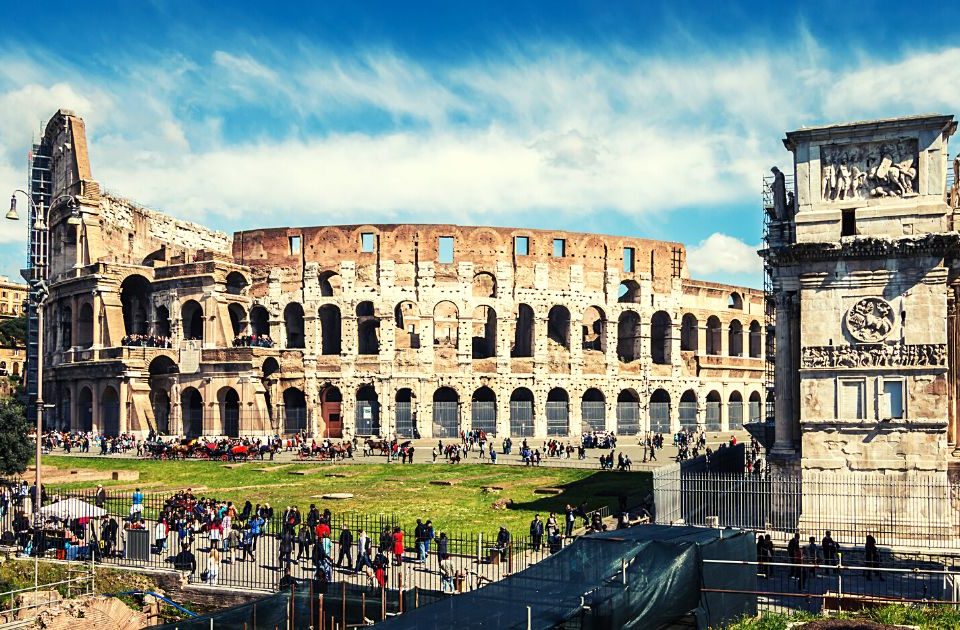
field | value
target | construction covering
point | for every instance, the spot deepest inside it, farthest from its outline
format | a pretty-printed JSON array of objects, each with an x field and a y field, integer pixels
[{"x": 641, "y": 577}]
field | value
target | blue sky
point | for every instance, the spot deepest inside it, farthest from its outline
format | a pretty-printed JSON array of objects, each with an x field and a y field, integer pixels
[{"x": 646, "y": 119}]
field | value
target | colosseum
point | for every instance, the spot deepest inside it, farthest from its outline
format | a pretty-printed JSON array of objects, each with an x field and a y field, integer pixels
[{"x": 154, "y": 323}]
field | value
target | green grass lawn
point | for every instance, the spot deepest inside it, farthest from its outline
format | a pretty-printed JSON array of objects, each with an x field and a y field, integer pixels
[
  {"x": 924, "y": 617},
  {"x": 401, "y": 490}
]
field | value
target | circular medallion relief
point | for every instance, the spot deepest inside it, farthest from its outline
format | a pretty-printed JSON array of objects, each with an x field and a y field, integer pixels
[{"x": 870, "y": 320}]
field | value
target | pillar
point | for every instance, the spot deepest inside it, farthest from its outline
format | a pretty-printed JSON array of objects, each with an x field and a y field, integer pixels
[{"x": 785, "y": 375}]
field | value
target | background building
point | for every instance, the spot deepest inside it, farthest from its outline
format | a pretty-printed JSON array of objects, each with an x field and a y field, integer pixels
[{"x": 158, "y": 323}]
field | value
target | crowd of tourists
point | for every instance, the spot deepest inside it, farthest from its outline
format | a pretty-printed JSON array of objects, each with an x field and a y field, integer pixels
[
  {"x": 253, "y": 341},
  {"x": 146, "y": 341},
  {"x": 808, "y": 560}
]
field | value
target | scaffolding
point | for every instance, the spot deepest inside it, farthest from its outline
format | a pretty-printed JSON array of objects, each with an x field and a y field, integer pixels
[{"x": 40, "y": 187}]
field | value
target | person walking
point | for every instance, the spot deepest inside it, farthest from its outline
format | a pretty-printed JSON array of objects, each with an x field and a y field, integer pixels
[
  {"x": 536, "y": 532},
  {"x": 305, "y": 538},
  {"x": 420, "y": 537},
  {"x": 571, "y": 518},
  {"x": 872, "y": 557},
  {"x": 447, "y": 574},
  {"x": 398, "y": 548},
  {"x": 346, "y": 547}
]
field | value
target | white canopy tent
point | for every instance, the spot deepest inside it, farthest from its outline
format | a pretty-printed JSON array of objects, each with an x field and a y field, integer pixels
[{"x": 69, "y": 509}]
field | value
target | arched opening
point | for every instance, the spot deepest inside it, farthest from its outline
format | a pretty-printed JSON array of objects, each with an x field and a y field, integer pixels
[
  {"x": 294, "y": 410},
  {"x": 712, "y": 418},
  {"x": 688, "y": 410},
  {"x": 160, "y": 402},
  {"x": 714, "y": 339},
  {"x": 85, "y": 326},
  {"x": 293, "y": 321},
  {"x": 229, "y": 411},
  {"x": 523, "y": 339},
  {"x": 521, "y": 412},
  {"x": 66, "y": 327},
  {"x": 689, "y": 333},
  {"x": 558, "y": 326},
  {"x": 629, "y": 291},
  {"x": 628, "y": 413},
  {"x": 368, "y": 329},
  {"x": 484, "y": 328},
  {"x": 484, "y": 285},
  {"x": 259, "y": 322},
  {"x": 446, "y": 413},
  {"x": 271, "y": 371},
  {"x": 16, "y": 369},
  {"x": 236, "y": 283},
  {"x": 64, "y": 410},
  {"x": 558, "y": 412},
  {"x": 594, "y": 330},
  {"x": 735, "y": 301},
  {"x": 163, "y": 374},
  {"x": 660, "y": 411},
  {"x": 660, "y": 338},
  {"x": 331, "y": 401},
  {"x": 330, "y": 329},
  {"x": 756, "y": 407},
  {"x": 593, "y": 410},
  {"x": 735, "y": 411},
  {"x": 483, "y": 410},
  {"x": 406, "y": 318},
  {"x": 85, "y": 410},
  {"x": 110, "y": 412},
  {"x": 192, "y": 317},
  {"x": 403, "y": 412},
  {"x": 735, "y": 339},
  {"x": 191, "y": 407},
  {"x": 368, "y": 411},
  {"x": 329, "y": 284},
  {"x": 238, "y": 319},
  {"x": 628, "y": 337},
  {"x": 135, "y": 292},
  {"x": 756, "y": 338},
  {"x": 161, "y": 323},
  {"x": 445, "y": 324}
]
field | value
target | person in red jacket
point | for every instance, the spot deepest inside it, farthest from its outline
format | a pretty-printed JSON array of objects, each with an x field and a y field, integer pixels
[{"x": 397, "y": 545}]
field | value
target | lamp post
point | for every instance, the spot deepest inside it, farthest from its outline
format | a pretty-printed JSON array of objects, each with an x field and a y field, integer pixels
[{"x": 38, "y": 281}]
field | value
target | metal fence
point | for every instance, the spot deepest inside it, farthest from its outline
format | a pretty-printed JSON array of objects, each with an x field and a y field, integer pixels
[
  {"x": 688, "y": 415},
  {"x": 918, "y": 513},
  {"x": 735, "y": 415},
  {"x": 712, "y": 420},
  {"x": 755, "y": 412},
  {"x": 294, "y": 419},
  {"x": 594, "y": 415},
  {"x": 403, "y": 416},
  {"x": 368, "y": 417},
  {"x": 521, "y": 418},
  {"x": 483, "y": 416},
  {"x": 558, "y": 418},
  {"x": 628, "y": 418},
  {"x": 660, "y": 417},
  {"x": 446, "y": 419}
]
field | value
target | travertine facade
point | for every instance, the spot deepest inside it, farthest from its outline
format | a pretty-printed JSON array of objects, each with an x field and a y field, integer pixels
[
  {"x": 381, "y": 329},
  {"x": 865, "y": 280}
]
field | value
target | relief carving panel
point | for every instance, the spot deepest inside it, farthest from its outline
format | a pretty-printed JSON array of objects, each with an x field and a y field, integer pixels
[
  {"x": 874, "y": 355},
  {"x": 868, "y": 170}
]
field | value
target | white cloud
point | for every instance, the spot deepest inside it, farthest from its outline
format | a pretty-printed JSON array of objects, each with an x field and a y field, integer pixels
[{"x": 723, "y": 254}]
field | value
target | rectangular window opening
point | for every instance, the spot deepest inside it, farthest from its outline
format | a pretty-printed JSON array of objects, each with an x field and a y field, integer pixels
[
  {"x": 294, "y": 245},
  {"x": 445, "y": 249},
  {"x": 852, "y": 398},
  {"x": 892, "y": 401},
  {"x": 367, "y": 242},
  {"x": 848, "y": 222},
  {"x": 521, "y": 245},
  {"x": 559, "y": 247},
  {"x": 628, "y": 260}
]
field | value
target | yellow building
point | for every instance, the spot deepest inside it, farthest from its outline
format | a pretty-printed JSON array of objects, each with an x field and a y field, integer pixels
[
  {"x": 13, "y": 295},
  {"x": 13, "y": 353}
]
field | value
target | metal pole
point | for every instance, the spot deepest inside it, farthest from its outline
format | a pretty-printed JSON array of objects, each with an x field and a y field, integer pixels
[{"x": 38, "y": 494}]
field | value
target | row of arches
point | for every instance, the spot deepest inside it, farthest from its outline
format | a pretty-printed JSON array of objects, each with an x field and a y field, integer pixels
[{"x": 690, "y": 337}]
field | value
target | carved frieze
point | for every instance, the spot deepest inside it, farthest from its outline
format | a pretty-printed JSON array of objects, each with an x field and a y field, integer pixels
[
  {"x": 874, "y": 356},
  {"x": 868, "y": 170},
  {"x": 870, "y": 320}
]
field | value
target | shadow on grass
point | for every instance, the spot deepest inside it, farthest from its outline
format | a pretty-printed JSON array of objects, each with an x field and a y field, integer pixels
[{"x": 599, "y": 489}]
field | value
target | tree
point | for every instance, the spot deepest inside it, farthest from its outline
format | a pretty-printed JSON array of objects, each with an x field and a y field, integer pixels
[
  {"x": 13, "y": 331},
  {"x": 15, "y": 448}
]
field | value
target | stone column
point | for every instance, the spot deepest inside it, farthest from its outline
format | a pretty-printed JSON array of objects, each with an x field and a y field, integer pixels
[{"x": 786, "y": 376}]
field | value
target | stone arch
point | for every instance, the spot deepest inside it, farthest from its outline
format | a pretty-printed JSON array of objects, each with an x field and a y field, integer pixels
[
  {"x": 594, "y": 323},
  {"x": 661, "y": 337},
  {"x": 593, "y": 410},
  {"x": 259, "y": 321},
  {"x": 368, "y": 329},
  {"x": 484, "y": 285},
  {"x": 406, "y": 317},
  {"x": 660, "y": 411},
  {"x": 330, "y": 283},
  {"x": 238, "y": 319},
  {"x": 714, "y": 335},
  {"x": 191, "y": 407},
  {"x": 484, "y": 329},
  {"x": 735, "y": 338},
  {"x": 756, "y": 339},
  {"x": 735, "y": 410},
  {"x": 689, "y": 333},
  {"x": 160, "y": 403},
  {"x": 236, "y": 283},
  {"x": 628, "y": 412},
  {"x": 558, "y": 412},
  {"x": 270, "y": 371},
  {"x": 629, "y": 339},
  {"x": 404, "y": 413},
  {"x": 446, "y": 413},
  {"x": 85, "y": 325},
  {"x": 558, "y": 326},
  {"x": 110, "y": 412},
  {"x": 293, "y": 322},
  {"x": 445, "y": 324},
  {"x": 483, "y": 410},
  {"x": 191, "y": 315},
  {"x": 85, "y": 410},
  {"x": 735, "y": 301},
  {"x": 135, "y": 299},
  {"x": 629, "y": 292},
  {"x": 294, "y": 410},
  {"x": 229, "y": 401},
  {"x": 756, "y": 407},
  {"x": 162, "y": 322},
  {"x": 368, "y": 411},
  {"x": 524, "y": 332},
  {"x": 330, "y": 329},
  {"x": 688, "y": 409},
  {"x": 521, "y": 412},
  {"x": 713, "y": 411},
  {"x": 331, "y": 401}
]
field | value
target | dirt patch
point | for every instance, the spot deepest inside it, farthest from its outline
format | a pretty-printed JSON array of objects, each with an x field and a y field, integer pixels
[{"x": 847, "y": 624}]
